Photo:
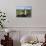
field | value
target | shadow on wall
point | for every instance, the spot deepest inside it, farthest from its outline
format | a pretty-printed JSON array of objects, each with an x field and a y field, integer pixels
[{"x": 16, "y": 43}]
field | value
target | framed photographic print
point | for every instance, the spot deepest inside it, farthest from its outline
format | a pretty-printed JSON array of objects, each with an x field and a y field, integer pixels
[{"x": 23, "y": 11}]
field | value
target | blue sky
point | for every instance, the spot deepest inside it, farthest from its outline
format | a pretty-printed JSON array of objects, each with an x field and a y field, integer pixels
[{"x": 23, "y": 7}]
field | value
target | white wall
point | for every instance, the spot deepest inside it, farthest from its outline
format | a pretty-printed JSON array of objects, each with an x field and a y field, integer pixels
[{"x": 38, "y": 18}]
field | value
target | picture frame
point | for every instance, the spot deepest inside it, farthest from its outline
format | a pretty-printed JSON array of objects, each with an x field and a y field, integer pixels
[{"x": 23, "y": 11}]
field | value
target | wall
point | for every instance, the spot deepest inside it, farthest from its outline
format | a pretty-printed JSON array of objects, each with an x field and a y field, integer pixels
[{"x": 38, "y": 13}]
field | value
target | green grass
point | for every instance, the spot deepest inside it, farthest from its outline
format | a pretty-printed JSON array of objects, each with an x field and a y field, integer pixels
[
  {"x": 28, "y": 11},
  {"x": 18, "y": 11}
]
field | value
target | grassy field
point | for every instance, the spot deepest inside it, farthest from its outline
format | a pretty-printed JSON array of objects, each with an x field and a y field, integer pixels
[{"x": 22, "y": 11}]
